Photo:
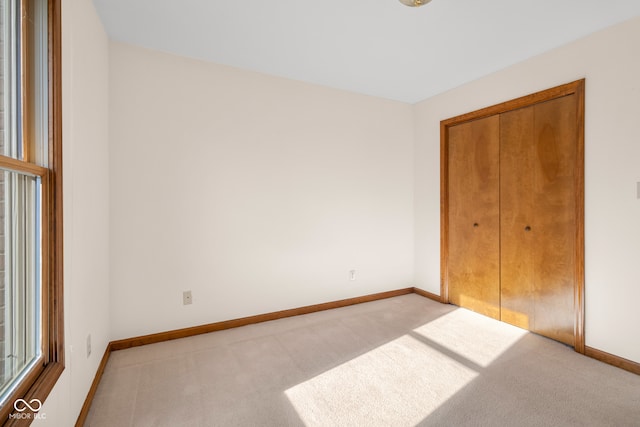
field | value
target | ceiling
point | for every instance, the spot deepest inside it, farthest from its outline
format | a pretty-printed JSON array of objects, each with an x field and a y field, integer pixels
[{"x": 374, "y": 47}]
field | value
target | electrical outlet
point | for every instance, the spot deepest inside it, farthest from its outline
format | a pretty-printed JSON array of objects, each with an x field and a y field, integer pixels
[
  {"x": 352, "y": 275},
  {"x": 186, "y": 298},
  {"x": 88, "y": 345}
]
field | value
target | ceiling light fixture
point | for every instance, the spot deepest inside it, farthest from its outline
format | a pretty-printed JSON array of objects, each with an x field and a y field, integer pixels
[{"x": 414, "y": 3}]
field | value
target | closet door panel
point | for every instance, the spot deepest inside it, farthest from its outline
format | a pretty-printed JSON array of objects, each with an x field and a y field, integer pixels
[
  {"x": 538, "y": 224},
  {"x": 474, "y": 224},
  {"x": 517, "y": 207},
  {"x": 554, "y": 223}
]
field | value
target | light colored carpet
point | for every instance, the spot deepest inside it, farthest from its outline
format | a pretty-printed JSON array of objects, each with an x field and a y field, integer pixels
[{"x": 403, "y": 361}]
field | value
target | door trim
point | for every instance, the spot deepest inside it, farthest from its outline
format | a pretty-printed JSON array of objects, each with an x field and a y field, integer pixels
[{"x": 576, "y": 88}]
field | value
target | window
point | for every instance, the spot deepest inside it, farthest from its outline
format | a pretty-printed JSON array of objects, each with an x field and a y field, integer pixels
[{"x": 31, "y": 348}]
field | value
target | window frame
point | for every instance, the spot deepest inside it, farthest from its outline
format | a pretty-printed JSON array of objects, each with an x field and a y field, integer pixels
[{"x": 41, "y": 379}]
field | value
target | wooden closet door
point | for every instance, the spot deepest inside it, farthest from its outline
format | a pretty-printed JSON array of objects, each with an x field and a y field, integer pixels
[
  {"x": 474, "y": 224},
  {"x": 517, "y": 275},
  {"x": 538, "y": 217}
]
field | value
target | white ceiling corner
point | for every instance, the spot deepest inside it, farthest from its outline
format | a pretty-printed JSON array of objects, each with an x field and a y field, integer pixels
[{"x": 374, "y": 47}]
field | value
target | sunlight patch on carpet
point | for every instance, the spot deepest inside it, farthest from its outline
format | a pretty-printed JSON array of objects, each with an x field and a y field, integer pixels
[
  {"x": 399, "y": 383},
  {"x": 473, "y": 336}
]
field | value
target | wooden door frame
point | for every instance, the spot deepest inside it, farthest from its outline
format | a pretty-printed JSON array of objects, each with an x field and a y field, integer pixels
[{"x": 576, "y": 88}]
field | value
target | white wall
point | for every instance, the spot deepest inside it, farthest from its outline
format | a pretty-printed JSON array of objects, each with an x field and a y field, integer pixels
[
  {"x": 86, "y": 207},
  {"x": 611, "y": 64},
  {"x": 257, "y": 193}
]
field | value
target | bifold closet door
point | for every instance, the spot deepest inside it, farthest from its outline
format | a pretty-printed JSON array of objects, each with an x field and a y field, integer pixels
[
  {"x": 538, "y": 225},
  {"x": 474, "y": 218}
]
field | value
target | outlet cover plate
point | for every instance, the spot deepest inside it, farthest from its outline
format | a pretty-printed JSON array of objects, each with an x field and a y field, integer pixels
[{"x": 186, "y": 298}]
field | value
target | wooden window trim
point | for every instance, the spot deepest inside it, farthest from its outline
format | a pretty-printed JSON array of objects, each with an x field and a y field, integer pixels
[
  {"x": 41, "y": 380},
  {"x": 8, "y": 163}
]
